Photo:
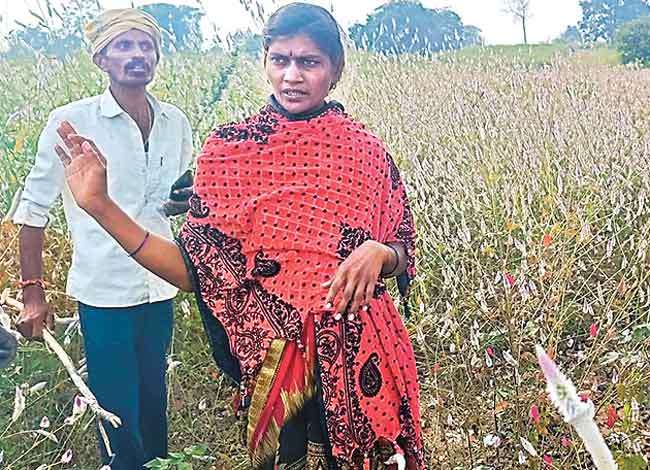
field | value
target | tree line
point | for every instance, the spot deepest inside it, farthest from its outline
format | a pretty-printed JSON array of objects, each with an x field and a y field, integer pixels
[{"x": 395, "y": 27}]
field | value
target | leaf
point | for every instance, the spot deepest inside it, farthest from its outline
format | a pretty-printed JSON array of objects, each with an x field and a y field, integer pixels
[
  {"x": 47, "y": 435},
  {"x": 612, "y": 416},
  {"x": 19, "y": 145},
  {"x": 501, "y": 407},
  {"x": 19, "y": 405},
  {"x": 534, "y": 414}
]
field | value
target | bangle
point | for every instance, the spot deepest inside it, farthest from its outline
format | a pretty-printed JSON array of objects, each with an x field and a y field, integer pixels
[
  {"x": 144, "y": 240},
  {"x": 390, "y": 273},
  {"x": 32, "y": 282}
]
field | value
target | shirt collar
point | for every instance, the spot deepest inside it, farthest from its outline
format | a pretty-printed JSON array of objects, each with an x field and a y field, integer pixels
[{"x": 111, "y": 108}]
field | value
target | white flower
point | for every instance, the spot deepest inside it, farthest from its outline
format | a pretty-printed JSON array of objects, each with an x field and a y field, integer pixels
[
  {"x": 37, "y": 387},
  {"x": 491, "y": 440},
  {"x": 528, "y": 447},
  {"x": 45, "y": 423},
  {"x": 67, "y": 457},
  {"x": 80, "y": 406},
  {"x": 522, "y": 458}
]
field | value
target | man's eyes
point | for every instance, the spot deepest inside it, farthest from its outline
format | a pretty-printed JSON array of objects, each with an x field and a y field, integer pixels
[
  {"x": 126, "y": 45},
  {"x": 278, "y": 60}
]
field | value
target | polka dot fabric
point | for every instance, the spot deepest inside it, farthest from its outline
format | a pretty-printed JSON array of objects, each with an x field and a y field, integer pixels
[{"x": 278, "y": 205}]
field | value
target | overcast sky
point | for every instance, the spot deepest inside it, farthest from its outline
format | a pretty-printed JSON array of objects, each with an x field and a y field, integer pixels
[{"x": 549, "y": 17}]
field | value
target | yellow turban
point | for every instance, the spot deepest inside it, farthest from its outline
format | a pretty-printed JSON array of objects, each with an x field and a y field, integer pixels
[{"x": 111, "y": 23}]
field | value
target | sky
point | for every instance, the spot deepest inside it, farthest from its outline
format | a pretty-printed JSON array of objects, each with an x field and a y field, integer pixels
[{"x": 549, "y": 17}]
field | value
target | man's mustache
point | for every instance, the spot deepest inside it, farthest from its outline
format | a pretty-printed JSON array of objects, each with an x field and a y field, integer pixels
[{"x": 138, "y": 63}]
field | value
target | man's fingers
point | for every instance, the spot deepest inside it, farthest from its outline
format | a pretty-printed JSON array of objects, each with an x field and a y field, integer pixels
[
  {"x": 24, "y": 328},
  {"x": 63, "y": 156},
  {"x": 37, "y": 329}
]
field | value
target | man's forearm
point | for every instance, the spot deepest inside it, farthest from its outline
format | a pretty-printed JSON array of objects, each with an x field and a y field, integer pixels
[
  {"x": 158, "y": 254},
  {"x": 31, "y": 261}
]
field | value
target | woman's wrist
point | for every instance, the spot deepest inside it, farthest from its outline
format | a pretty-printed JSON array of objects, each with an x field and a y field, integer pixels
[
  {"x": 101, "y": 209},
  {"x": 391, "y": 260}
]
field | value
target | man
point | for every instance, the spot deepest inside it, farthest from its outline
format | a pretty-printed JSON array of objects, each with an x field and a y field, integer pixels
[{"x": 126, "y": 313}]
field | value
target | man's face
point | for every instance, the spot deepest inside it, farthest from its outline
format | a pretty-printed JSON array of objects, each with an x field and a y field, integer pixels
[{"x": 130, "y": 59}]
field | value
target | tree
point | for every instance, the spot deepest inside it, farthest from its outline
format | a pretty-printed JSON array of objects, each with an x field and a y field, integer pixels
[
  {"x": 59, "y": 34},
  {"x": 181, "y": 26},
  {"x": 633, "y": 41},
  {"x": 405, "y": 26},
  {"x": 246, "y": 42},
  {"x": 520, "y": 11},
  {"x": 571, "y": 35},
  {"x": 602, "y": 18}
]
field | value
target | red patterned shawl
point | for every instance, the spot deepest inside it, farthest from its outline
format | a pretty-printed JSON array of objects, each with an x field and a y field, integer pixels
[{"x": 278, "y": 204}]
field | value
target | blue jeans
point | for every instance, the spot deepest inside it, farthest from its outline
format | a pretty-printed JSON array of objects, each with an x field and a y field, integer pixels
[{"x": 126, "y": 352}]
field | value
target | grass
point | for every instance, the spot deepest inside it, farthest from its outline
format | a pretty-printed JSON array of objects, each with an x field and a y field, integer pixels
[
  {"x": 530, "y": 188},
  {"x": 534, "y": 55}
]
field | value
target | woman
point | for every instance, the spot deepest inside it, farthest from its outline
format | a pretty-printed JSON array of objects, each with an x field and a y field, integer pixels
[{"x": 298, "y": 214}]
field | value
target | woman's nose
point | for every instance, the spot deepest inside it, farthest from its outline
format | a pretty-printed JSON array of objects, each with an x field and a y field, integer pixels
[{"x": 292, "y": 73}]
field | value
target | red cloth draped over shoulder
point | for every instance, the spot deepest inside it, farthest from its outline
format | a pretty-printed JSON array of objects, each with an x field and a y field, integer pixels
[{"x": 278, "y": 204}]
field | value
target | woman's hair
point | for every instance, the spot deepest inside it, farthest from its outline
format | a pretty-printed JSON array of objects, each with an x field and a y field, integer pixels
[{"x": 313, "y": 21}]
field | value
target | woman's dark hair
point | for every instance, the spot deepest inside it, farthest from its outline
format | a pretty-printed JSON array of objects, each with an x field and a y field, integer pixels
[{"x": 313, "y": 21}]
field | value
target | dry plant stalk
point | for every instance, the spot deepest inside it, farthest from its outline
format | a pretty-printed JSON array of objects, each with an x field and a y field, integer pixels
[{"x": 54, "y": 345}]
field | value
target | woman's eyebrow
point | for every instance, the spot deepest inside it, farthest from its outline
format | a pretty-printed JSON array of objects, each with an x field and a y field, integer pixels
[{"x": 308, "y": 55}]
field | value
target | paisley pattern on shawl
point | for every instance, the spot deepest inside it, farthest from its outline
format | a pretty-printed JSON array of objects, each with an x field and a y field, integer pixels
[{"x": 278, "y": 205}]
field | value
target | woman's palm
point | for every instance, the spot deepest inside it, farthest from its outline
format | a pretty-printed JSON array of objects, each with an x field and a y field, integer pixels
[{"x": 85, "y": 168}]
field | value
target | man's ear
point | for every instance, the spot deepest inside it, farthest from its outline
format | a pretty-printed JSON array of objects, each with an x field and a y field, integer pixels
[{"x": 100, "y": 61}]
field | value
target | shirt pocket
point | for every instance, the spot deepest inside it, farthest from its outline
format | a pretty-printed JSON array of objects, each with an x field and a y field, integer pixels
[{"x": 165, "y": 169}]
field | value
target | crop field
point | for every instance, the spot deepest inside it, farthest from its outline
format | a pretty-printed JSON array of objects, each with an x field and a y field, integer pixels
[{"x": 530, "y": 183}]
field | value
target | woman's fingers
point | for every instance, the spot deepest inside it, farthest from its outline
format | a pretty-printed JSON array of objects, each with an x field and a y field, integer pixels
[
  {"x": 344, "y": 300},
  {"x": 358, "y": 299},
  {"x": 94, "y": 150},
  {"x": 63, "y": 156},
  {"x": 370, "y": 293},
  {"x": 334, "y": 287}
]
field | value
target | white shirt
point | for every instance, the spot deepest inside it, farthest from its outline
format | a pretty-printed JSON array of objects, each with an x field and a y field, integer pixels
[{"x": 102, "y": 274}]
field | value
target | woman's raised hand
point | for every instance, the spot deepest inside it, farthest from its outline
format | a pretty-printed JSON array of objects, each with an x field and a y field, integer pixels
[
  {"x": 353, "y": 285},
  {"x": 85, "y": 169}
]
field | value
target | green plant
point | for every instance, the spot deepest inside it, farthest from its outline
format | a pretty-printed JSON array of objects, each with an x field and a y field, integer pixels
[
  {"x": 633, "y": 41},
  {"x": 180, "y": 460}
]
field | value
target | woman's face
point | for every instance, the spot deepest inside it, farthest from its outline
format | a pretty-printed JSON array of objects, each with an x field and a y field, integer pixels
[{"x": 299, "y": 72}]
